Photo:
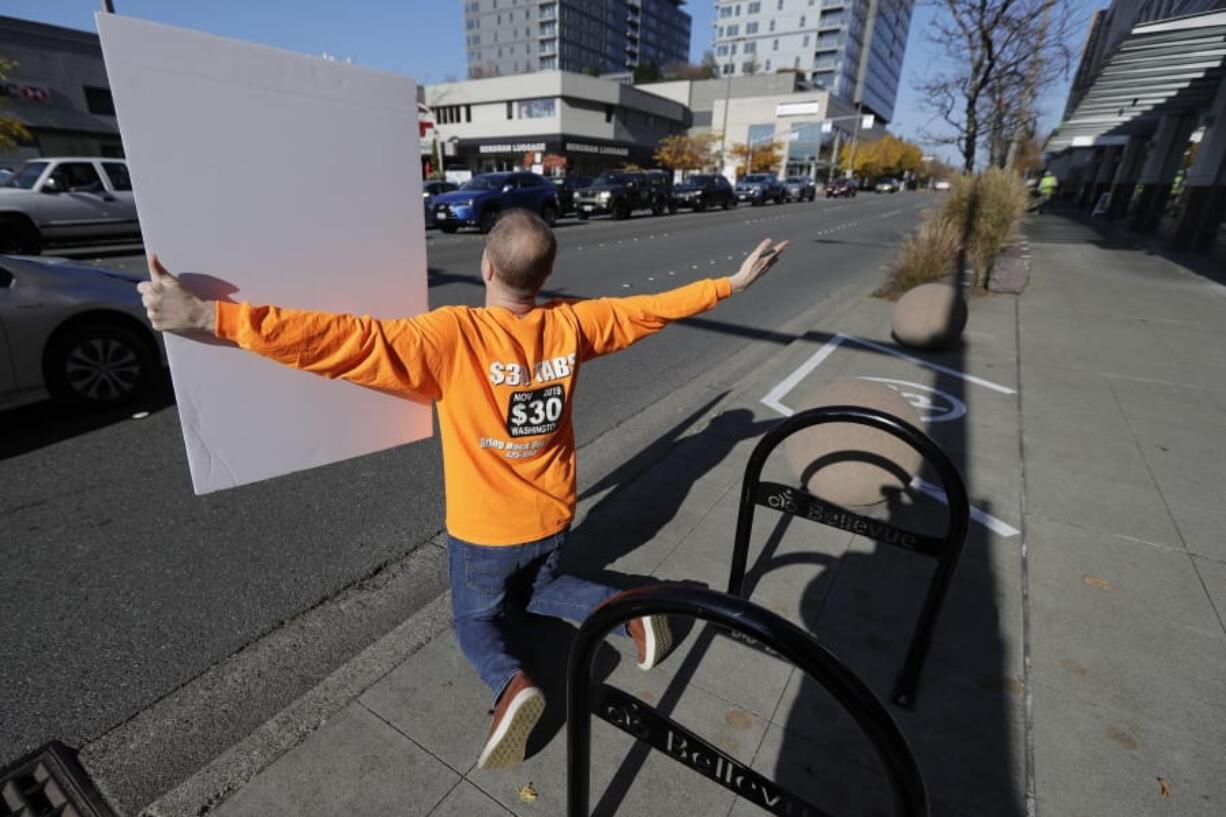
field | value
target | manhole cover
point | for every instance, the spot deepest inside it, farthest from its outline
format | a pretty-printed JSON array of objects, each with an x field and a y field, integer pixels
[{"x": 49, "y": 783}]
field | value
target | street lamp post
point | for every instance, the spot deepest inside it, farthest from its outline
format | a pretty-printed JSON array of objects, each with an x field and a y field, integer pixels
[
  {"x": 723, "y": 138},
  {"x": 860, "y": 118}
]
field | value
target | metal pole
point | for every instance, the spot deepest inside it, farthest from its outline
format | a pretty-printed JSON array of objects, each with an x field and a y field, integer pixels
[
  {"x": 834, "y": 157},
  {"x": 851, "y": 162},
  {"x": 723, "y": 136},
  {"x": 108, "y": 6}
]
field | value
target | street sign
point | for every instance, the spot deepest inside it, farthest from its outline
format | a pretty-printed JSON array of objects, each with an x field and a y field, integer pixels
[
  {"x": 827, "y": 126},
  {"x": 867, "y": 122}
]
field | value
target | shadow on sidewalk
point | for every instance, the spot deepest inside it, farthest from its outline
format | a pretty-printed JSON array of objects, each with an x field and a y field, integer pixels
[
  {"x": 862, "y": 606},
  {"x": 1066, "y": 224}
]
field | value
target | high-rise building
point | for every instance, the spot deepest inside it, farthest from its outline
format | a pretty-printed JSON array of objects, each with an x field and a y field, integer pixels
[
  {"x": 852, "y": 48},
  {"x": 584, "y": 36}
]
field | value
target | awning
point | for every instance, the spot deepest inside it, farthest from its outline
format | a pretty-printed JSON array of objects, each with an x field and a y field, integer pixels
[
  {"x": 62, "y": 119},
  {"x": 1161, "y": 68}
]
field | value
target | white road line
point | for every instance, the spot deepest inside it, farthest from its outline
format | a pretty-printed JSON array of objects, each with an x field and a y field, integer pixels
[
  {"x": 997, "y": 526},
  {"x": 775, "y": 398},
  {"x": 970, "y": 378}
]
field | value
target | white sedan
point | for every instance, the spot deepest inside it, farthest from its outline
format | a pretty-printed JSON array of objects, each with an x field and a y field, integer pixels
[{"x": 76, "y": 332}]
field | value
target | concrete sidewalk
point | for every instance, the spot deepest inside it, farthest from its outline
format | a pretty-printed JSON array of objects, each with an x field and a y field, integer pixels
[{"x": 1078, "y": 664}]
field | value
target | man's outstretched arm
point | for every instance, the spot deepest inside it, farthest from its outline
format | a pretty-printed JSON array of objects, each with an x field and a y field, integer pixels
[
  {"x": 399, "y": 356},
  {"x": 611, "y": 324}
]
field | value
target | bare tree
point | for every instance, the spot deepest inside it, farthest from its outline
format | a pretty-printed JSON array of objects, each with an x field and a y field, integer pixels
[{"x": 999, "y": 54}]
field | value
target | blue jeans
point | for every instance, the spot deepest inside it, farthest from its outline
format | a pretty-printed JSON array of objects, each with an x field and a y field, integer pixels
[{"x": 483, "y": 584}]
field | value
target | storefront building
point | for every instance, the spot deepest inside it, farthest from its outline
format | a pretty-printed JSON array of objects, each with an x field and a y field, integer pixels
[
  {"x": 554, "y": 122},
  {"x": 58, "y": 89},
  {"x": 1143, "y": 138}
]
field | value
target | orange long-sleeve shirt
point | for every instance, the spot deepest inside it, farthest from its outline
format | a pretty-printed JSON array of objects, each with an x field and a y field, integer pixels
[{"x": 504, "y": 387}]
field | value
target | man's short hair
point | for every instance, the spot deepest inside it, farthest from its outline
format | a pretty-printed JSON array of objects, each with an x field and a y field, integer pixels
[{"x": 521, "y": 247}]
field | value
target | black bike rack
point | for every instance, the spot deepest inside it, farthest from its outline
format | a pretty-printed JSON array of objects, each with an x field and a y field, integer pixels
[
  {"x": 798, "y": 502},
  {"x": 638, "y": 719}
]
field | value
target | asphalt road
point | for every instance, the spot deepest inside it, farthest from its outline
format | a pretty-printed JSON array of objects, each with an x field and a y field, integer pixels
[{"x": 118, "y": 585}]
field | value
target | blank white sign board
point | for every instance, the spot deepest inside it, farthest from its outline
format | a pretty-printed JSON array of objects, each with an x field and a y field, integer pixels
[{"x": 272, "y": 177}]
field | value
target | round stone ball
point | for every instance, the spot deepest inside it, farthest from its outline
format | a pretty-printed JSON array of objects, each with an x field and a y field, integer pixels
[
  {"x": 930, "y": 316},
  {"x": 847, "y": 463}
]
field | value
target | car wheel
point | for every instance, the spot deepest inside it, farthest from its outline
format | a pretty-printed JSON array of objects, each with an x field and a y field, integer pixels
[
  {"x": 582, "y": 216},
  {"x": 621, "y": 210},
  {"x": 550, "y": 214},
  {"x": 98, "y": 363},
  {"x": 448, "y": 228},
  {"x": 488, "y": 219},
  {"x": 700, "y": 206},
  {"x": 19, "y": 236}
]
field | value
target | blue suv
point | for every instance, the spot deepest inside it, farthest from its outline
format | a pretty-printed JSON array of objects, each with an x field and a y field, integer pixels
[{"x": 480, "y": 199}]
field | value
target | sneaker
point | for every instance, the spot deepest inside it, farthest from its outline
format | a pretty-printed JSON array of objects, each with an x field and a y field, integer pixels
[
  {"x": 518, "y": 710},
  {"x": 652, "y": 637}
]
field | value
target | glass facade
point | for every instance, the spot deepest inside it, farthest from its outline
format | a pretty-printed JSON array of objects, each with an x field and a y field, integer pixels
[
  {"x": 601, "y": 36},
  {"x": 853, "y": 48}
]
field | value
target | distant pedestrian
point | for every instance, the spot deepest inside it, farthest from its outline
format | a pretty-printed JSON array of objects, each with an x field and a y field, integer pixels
[
  {"x": 503, "y": 377},
  {"x": 1048, "y": 185}
]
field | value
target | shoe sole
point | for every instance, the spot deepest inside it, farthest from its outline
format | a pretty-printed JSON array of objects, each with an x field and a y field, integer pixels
[
  {"x": 659, "y": 637},
  {"x": 505, "y": 748}
]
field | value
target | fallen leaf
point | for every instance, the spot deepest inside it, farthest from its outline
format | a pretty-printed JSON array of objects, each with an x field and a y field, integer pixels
[
  {"x": 527, "y": 794},
  {"x": 1096, "y": 582},
  {"x": 1165, "y": 786}
]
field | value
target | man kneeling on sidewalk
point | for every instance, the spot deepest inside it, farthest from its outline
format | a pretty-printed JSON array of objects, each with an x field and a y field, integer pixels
[{"x": 503, "y": 377}]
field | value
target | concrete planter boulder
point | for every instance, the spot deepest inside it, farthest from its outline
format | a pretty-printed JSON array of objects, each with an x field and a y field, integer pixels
[
  {"x": 853, "y": 465},
  {"x": 930, "y": 316}
]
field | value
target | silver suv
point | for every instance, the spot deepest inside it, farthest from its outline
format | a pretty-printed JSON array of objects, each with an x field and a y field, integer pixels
[{"x": 54, "y": 200}]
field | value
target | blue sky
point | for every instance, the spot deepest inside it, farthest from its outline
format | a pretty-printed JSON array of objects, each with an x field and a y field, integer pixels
[{"x": 425, "y": 38}]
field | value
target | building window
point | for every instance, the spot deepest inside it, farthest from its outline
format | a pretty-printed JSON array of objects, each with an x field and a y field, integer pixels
[
  {"x": 775, "y": 45},
  {"x": 768, "y": 65},
  {"x": 754, "y": 8},
  {"x": 772, "y": 24},
  {"x": 751, "y": 48},
  {"x": 609, "y": 110},
  {"x": 802, "y": 21},
  {"x": 751, "y": 28},
  {"x": 733, "y": 30},
  {"x": 98, "y": 100},
  {"x": 726, "y": 11},
  {"x": 722, "y": 51},
  {"x": 510, "y": 110},
  {"x": 537, "y": 108}
]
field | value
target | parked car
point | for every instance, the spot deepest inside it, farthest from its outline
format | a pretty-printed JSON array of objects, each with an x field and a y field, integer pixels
[
  {"x": 479, "y": 200},
  {"x": 888, "y": 186},
  {"x": 431, "y": 189},
  {"x": 565, "y": 187},
  {"x": 840, "y": 188},
  {"x": 759, "y": 188},
  {"x": 66, "y": 199},
  {"x": 5, "y": 174},
  {"x": 800, "y": 188},
  {"x": 701, "y": 191},
  {"x": 74, "y": 331},
  {"x": 620, "y": 193},
  {"x": 942, "y": 184}
]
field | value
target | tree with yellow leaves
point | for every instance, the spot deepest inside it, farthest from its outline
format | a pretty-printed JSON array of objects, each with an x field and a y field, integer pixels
[
  {"x": 683, "y": 151},
  {"x": 760, "y": 157},
  {"x": 884, "y": 156}
]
